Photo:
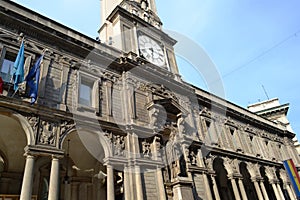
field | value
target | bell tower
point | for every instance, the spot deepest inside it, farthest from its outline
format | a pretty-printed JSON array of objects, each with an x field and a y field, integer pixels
[
  {"x": 134, "y": 26},
  {"x": 107, "y": 6}
]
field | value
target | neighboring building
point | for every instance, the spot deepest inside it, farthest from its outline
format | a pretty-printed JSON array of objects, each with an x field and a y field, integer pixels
[{"x": 114, "y": 120}]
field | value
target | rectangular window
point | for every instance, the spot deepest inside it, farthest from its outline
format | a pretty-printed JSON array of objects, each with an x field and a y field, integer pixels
[
  {"x": 7, "y": 65},
  {"x": 127, "y": 38},
  {"x": 85, "y": 92}
]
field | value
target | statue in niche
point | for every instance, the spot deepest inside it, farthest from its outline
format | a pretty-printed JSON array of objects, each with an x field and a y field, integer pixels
[
  {"x": 146, "y": 148},
  {"x": 193, "y": 158},
  {"x": 119, "y": 145},
  {"x": 183, "y": 126},
  {"x": 173, "y": 154},
  {"x": 47, "y": 133}
]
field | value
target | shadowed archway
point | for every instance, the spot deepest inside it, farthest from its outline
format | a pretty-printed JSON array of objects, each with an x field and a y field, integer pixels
[
  {"x": 248, "y": 184},
  {"x": 224, "y": 185}
]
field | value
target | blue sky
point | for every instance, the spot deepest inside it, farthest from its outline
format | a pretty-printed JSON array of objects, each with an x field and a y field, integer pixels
[{"x": 251, "y": 42}]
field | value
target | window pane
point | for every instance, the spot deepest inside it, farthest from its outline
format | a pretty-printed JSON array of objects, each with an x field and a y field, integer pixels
[
  {"x": 85, "y": 94},
  {"x": 7, "y": 70}
]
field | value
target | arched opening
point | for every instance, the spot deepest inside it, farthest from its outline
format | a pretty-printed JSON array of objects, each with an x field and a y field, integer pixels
[
  {"x": 12, "y": 142},
  {"x": 282, "y": 186},
  {"x": 268, "y": 186},
  {"x": 224, "y": 185},
  {"x": 83, "y": 175},
  {"x": 249, "y": 186}
]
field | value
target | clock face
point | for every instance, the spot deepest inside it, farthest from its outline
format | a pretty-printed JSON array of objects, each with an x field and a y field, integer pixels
[{"x": 151, "y": 50}]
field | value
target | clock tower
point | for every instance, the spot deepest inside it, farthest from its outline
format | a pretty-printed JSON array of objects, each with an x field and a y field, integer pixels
[{"x": 133, "y": 26}]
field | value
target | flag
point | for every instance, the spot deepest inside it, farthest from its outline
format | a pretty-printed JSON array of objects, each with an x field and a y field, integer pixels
[
  {"x": 18, "y": 75},
  {"x": 33, "y": 78},
  {"x": 293, "y": 175},
  {"x": 1, "y": 85}
]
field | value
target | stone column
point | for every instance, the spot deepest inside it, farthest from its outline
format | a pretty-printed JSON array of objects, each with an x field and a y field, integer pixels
[
  {"x": 27, "y": 179},
  {"x": 280, "y": 191},
  {"x": 276, "y": 191},
  {"x": 242, "y": 189},
  {"x": 207, "y": 187},
  {"x": 215, "y": 188},
  {"x": 264, "y": 191},
  {"x": 54, "y": 180},
  {"x": 110, "y": 183},
  {"x": 138, "y": 181},
  {"x": 290, "y": 192},
  {"x": 258, "y": 191},
  {"x": 235, "y": 188}
]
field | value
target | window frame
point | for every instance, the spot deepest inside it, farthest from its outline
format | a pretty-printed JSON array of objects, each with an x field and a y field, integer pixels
[
  {"x": 93, "y": 83},
  {"x": 4, "y": 51},
  {"x": 28, "y": 58}
]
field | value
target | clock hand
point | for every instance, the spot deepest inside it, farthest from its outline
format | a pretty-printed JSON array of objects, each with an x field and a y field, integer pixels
[{"x": 152, "y": 51}]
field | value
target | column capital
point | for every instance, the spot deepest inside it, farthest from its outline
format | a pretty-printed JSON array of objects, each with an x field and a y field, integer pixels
[
  {"x": 257, "y": 179},
  {"x": 273, "y": 181},
  {"x": 232, "y": 166},
  {"x": 43, "y": 151},
  {"x": 55, "y": 156},
  {"x": 230, "y": 176},
  {"x": 29, "y": 155},
  {"x": 209, "y": 161},
  {"x": 271, "y": 174},
  {"x": 254, "y": 171}
]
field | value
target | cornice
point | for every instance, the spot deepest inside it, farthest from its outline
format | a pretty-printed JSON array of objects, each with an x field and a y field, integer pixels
[
  {"x": 44, "y": 29},
  {"x": 121, "y": 11}
]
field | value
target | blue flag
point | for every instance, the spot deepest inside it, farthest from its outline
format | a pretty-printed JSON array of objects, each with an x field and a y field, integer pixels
[
  {"x": 18, "y": 75},
  {"x": 33, "y": 78}
]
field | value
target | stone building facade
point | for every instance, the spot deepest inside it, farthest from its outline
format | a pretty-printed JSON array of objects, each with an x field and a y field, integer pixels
[{"x": 114, "y": 120}]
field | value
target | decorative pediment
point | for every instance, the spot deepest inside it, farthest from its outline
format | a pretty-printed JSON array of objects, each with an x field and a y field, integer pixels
[{"x": 230, "y": 122}]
